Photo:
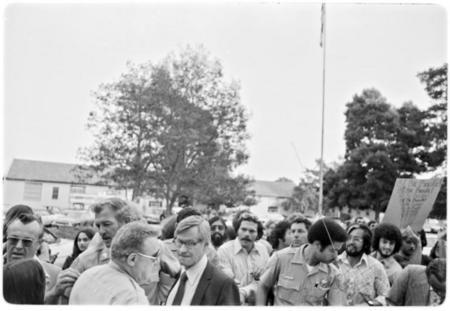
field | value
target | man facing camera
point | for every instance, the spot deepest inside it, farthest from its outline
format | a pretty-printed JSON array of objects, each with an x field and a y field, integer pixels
[{"x": 200, "y": 282}]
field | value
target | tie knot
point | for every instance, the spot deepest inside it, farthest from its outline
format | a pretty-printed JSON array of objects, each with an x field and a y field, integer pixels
[{"x": 183, "y": 277}]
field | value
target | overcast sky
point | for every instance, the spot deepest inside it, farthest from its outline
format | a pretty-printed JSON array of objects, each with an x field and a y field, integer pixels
[{"x": 56, "y": 55}]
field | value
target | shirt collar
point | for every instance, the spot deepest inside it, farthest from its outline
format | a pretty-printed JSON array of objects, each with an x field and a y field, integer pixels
[
  {"x": 195, "y": 272},
  {"x": 237, "y": 247},
  {"x": 344, "y": 258}
]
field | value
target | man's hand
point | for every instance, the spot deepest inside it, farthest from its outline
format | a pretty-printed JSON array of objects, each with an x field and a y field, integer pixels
[{"x": 65, "y": 280}]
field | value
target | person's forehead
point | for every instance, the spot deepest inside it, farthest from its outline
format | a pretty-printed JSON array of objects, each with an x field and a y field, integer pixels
[
  {"x": 190, "y": 234},
  {"x": 217, "y": 223},
  {"x": 83, "y": 235},
  {"x": 17, "y": 228},
  {"x": 150, "y": 246},
  {"x": 248, "y": 224},
  {"x": 298, "y": 225},
  {"x": 106, "y": 213},
  {"x": 357, "y": 232}
]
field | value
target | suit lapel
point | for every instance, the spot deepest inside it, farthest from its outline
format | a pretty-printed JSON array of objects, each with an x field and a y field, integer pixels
[{"x": 202, "y": 285}]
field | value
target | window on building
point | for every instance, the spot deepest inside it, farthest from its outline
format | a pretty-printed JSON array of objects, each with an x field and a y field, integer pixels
[
  {"x": 154, "y": 203},
  {"x": 272, "y": 209},
  {"x": 32, "y": 191},
  {"x": 55, "y": 193},
  {"x": 77, "y": 189}
]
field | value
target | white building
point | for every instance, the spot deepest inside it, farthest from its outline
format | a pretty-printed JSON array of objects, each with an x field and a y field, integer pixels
[
  {"x": 49, "y": 185},
  {"x": 269, "y": 196}
]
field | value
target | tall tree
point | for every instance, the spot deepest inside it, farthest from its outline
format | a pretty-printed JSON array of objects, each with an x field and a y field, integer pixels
[{"x": 170, "y": 129}]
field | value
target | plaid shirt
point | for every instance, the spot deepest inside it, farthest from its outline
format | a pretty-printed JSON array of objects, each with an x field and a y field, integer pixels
[{"x": 365, "y": 280}]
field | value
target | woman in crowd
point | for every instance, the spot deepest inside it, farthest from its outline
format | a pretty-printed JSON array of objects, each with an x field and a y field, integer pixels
[
  {"x": 80, "y": 244},
  {"x": 24, "y": 282}
]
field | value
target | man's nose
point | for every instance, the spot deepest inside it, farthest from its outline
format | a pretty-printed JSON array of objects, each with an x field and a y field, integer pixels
[{"x": 19, "y": 244}]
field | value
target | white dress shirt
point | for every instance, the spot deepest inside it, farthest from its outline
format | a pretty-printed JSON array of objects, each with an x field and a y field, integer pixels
[{"x": 194, "y": 274}]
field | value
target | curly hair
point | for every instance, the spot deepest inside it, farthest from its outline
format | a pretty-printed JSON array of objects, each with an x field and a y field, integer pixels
[
  {"x": 389, "y": 232},
  {"x": 251, "y": 218}
]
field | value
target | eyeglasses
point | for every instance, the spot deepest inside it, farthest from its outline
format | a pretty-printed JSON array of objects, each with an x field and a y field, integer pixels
[
  {"x": 188, "y": 244},
  {"x": 25, "y": 242},
  {"x": 152, "y": 258}
]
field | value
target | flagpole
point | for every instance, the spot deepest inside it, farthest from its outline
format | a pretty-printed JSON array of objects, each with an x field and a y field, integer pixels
[{"x": 323, "y": 45}]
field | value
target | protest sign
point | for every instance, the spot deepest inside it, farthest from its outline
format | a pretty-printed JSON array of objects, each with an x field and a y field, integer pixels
[{"x": 411, "y": 201}]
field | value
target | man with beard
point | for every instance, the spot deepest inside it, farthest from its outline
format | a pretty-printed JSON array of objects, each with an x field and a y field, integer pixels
[
  {"x": 218, "y": 231},
  {"x": 387, "y": 241},
  {"x": 306, "y": 276},
  {"x": 242, "y": 258},
  {"x": 365, "y": 278},
  {"x": 110, "y": 215}
]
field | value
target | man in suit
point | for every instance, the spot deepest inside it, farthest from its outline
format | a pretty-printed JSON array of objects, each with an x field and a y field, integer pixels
[{"x": 200, "y": 282}]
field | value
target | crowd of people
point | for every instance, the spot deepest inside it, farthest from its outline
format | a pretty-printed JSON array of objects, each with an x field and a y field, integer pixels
[{"x": 191, "y": 260}]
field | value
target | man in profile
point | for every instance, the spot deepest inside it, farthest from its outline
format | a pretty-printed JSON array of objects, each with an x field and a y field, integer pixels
[
  {"x": 135, "y": 252},
  {"x": 200, "y": 283}
]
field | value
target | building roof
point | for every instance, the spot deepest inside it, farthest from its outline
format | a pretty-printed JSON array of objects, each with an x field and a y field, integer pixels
[
  {"x": 48, "y": 172},
  {"x": 273, "y": 188}
]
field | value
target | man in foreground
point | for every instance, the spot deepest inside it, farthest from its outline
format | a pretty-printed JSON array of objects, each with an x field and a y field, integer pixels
[
  {"x": 365, "y": 278},
  {"x": 134, "y": 260},
  {"x": 307, "y": 277},
  {"x": 200, "y": 283}
]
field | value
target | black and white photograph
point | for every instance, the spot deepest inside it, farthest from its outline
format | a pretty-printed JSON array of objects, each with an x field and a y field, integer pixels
[{"x": 224, "y": 153}]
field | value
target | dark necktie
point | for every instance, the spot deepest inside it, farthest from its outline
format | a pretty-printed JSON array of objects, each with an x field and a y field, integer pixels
[{"x": 180, "y": 293}]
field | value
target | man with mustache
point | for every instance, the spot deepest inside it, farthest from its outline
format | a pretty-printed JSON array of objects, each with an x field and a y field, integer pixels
[
  {"x": 110, "y": 215},
  {"x": 242, "y": 258},
  {"x": 218, "y": 231},
  {"x": 305, "y": 275},
  {"x": 364, "y": 276},
  {"x": 387, "y": 241}
]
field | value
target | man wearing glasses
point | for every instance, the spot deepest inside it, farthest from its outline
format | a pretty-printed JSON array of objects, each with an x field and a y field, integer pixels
[
  {"x": 23, "y": 239},
  {"x": 306, "y": 277},
  {"x": 134, "y": 260},
  {"x": 200, "y": 282}
]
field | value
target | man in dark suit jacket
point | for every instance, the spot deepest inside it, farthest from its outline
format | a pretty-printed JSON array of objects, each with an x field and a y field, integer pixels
[{"x": 200, "y": 283}]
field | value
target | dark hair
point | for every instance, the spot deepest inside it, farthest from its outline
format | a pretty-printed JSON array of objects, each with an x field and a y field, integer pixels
[
  {"x": 231, "y": 233},
  {"x": 76, "y": 250},
  {"x": 217, "y": 218},
  {"x": 278, "y": 233},
  {"x": 325, "y": 229},
  {"x": 367, "y": 236},
  {"x": 27, "y": 218},
  {"x": 389, "y": 232},
  {"x": 298, "y": 218},
  {"x": 24, "y": 282},
  {"x": 168, "y": 227},
  {"x": 12, "y": 214},
  {"x": 252, "y": 218},
  {"x": 186, "y": 212}
]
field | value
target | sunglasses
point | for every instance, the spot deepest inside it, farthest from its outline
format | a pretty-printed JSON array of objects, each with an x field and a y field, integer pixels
[{"x": 15, "y": 241}]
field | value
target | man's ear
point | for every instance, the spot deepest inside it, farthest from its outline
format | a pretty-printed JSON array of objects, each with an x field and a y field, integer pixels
[{"x": 131, "y": 259}]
